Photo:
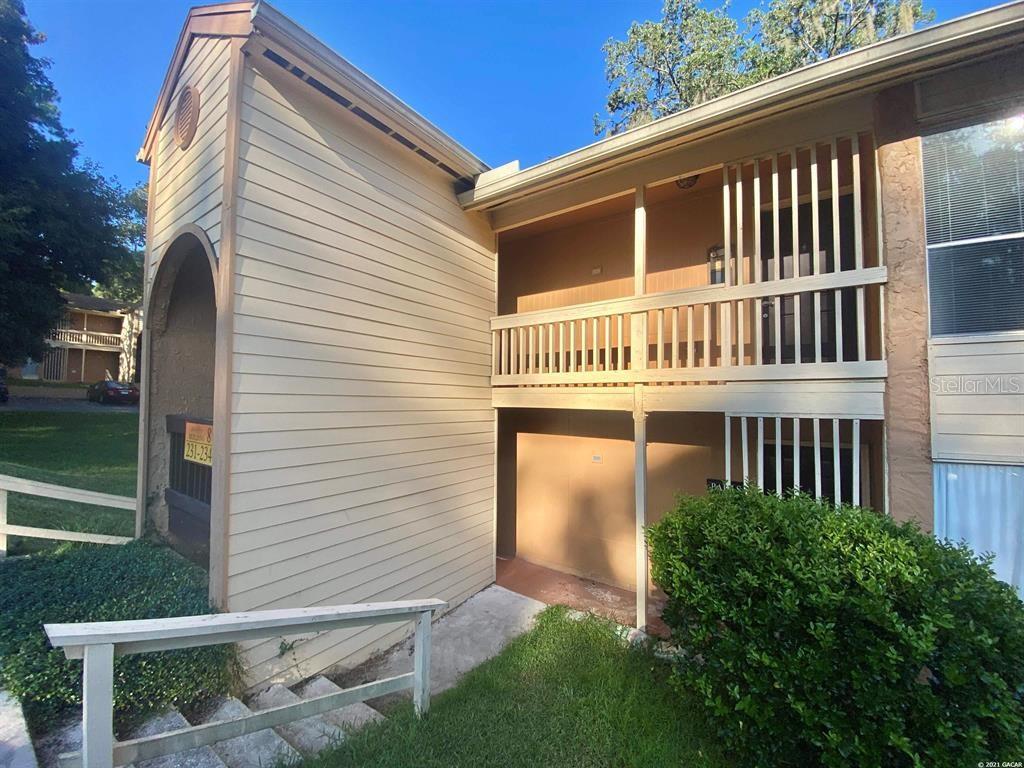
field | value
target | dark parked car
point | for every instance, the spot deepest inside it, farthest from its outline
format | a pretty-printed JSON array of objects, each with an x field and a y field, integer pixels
[
  {"x": 4, "y": 394},
  {"x": 120, "y": 392}
]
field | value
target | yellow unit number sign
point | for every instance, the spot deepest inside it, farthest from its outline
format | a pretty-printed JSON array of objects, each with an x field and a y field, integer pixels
[{"x": 199, "y": 443}]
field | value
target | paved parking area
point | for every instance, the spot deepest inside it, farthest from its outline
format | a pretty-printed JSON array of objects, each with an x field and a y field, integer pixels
[{"x": 65, "y": 405}]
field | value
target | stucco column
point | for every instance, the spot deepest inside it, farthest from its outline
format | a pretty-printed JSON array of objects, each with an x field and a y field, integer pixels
[{"x": 907, "y": 415}]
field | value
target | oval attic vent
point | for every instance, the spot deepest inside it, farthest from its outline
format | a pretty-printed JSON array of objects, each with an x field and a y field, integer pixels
[{"x": 186, "y": 117}]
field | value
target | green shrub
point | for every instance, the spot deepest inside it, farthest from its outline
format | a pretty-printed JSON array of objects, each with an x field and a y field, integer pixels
[
  {"x": 104, "y": 583},
  {"x": 837, "y": 637}
]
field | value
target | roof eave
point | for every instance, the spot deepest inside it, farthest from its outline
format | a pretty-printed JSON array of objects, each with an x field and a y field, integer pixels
[
  {"x": 270, "y": 23},
  {"x": 882, "y": 62}
]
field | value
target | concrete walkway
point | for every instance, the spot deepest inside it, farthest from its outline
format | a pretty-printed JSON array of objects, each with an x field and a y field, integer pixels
[
  {"x": 468, "y": 636},
  {"x": 15, "y": 746}
]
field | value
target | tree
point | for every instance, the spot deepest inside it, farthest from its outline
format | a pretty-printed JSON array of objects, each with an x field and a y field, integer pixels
[
  {"x": 793, "y": 33},
  {"x": 694, "y": 54},
  {"x": 58, "y": 216},
  {"x": 122, "y": 275}
]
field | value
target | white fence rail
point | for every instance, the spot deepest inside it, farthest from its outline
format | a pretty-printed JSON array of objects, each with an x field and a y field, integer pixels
[
  {"x": 98, "y": 643},
  {"x": 9, "y": 484}
]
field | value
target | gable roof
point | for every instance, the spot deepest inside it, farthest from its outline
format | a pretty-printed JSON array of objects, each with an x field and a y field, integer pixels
[
  {"x": 266, "y": 28},
  {"x": 222, "y": 20},
  {"x": 92, "y": 303},
  {"x": 885, "y": 63}
]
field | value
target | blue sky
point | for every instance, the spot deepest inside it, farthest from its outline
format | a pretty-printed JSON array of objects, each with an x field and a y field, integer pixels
[{"x": 517, "y": 79}]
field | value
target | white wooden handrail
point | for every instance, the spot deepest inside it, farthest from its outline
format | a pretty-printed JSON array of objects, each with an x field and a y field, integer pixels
[
  {"x": 688, "y": 335},
  {"x": 10, "y": 484},
  {"x": 98, "y": 642},
  {"x": 689, "y": 296}
]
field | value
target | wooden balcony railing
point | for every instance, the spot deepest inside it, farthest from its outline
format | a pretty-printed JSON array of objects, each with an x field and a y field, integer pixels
[
  {"x": 752, "y": 331},
  {"x": 86, "y": 338}
]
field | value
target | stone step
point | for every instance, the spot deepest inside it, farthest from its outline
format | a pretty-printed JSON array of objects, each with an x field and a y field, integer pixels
[
  {"x": 309, "y": 735},
  {"x": 173, "y": 720},
  {"x": 262, "y": 749},
  {"x": 349, "y": 718}
]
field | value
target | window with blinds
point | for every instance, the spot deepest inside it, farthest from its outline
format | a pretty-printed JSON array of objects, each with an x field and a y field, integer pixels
[{"x": 974, "y": 220}]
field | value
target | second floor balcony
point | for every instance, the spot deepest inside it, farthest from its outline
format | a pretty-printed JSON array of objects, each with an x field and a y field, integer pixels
[
  {"x": 721, "y": 297},
  {"x": 71, "y": 337}
]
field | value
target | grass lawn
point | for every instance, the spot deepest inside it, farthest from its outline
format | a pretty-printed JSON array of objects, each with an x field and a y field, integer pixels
[
  {"x": 97, "y": 451},
  {"x": 566, "y": 694}
]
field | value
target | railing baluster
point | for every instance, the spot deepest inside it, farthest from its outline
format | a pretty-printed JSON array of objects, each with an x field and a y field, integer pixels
[
  {"x": 660, "y": 314},
  {"x": 707, "y": 335},
  {"x": 796, "y": 454},
  {"x": 520, "y": 353},
  {"x": 675, "y": 337},
  {"x": 689, "y": 336},
  {"x": 817, "y": 458},
  {"x": 529, "y": 357},
  {"x": 728, "y": 450},
  {"x": 778, "y": 456},
  {"x": 760, "y": 452},
  {"x": 856, "y": 463},
  {"x": 597, "y": 347},
  {"x": 835, "y": 462},
  {"x": 607, "y": 342},
  {"x": 572, "y": 346},
  {"x": 538, "y": 366},
  {"x": 746, "y": 449},
  {"x": 621, "y": 362},
  {"x": 3, "y": 522}
]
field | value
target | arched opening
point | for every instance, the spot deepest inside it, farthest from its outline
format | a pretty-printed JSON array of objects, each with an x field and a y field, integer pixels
[{"x": 181, "y": 322}]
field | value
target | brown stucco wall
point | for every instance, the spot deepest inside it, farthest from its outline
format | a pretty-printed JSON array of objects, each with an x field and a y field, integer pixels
[
  {"x": 555, "y": 268},
  {"x": 98, "y": 363},
  {"x": 907, "y": 415},
  {"x": 565, "y": 481},
  {"x": 181, "y": 369}
]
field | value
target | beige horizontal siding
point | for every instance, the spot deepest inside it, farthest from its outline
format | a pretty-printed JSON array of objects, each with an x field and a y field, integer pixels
[
  {"x": 362, "y": 431},
  {"x": 977, "y": 399},
  {"x": 189, "y": 182}
]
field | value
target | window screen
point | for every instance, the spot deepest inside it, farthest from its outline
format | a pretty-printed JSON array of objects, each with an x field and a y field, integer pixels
[{"x": 974, "y": 219}]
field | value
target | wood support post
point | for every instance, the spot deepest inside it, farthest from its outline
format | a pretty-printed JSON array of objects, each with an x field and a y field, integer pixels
[
  {"x": 98, "y": 707},
  {"x": 640, "y": 487},
  {"x": 3, "y": 522},
  {"x": 421, "y": 665}
]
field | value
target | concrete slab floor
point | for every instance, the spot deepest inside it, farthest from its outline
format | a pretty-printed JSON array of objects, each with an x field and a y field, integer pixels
[
  {"x": 556, "y": 588},
  {"x": 472, "y": 633}
]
